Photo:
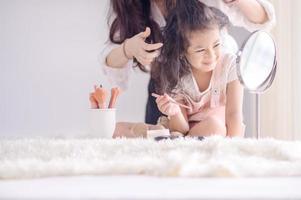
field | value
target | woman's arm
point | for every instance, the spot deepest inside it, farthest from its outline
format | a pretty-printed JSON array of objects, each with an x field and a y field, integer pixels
[
  {"x": 234, "y": 115},
  {"x": 250, "y": 14},
  {"x": 134, "y": 47},
  {"x": 252, "y": 9},
  {"x": 116, "y": 58}
]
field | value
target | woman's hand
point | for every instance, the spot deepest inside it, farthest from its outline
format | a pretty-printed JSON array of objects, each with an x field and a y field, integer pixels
[
  {"x": 251, "y": 9},
  {"x": 166, "y": 106},
  {"x": 137, "y": 47}
]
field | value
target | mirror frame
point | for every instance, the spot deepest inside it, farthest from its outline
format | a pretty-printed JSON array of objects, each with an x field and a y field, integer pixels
[{"x": 270, "y": 78}]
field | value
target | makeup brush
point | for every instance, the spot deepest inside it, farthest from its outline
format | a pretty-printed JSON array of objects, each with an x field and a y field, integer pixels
[
  {"x": 100, "y": 94},
  {"x": 93, "y": 101},
  {"x": 114, "y": 94},
  {"x": 171, "y": 100}
]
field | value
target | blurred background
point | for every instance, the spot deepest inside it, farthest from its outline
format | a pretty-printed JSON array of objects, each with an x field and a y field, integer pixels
[{"x": 49, "y": 63}]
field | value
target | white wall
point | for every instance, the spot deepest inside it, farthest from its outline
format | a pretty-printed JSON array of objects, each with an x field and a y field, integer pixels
[
  {"x": 296, "y": 63},
  {"x": 48, "y": 65},
  {"x": 281, "y": 105}
]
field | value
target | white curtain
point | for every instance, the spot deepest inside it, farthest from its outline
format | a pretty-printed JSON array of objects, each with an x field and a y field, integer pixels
[{"x": 281, "y": 104}]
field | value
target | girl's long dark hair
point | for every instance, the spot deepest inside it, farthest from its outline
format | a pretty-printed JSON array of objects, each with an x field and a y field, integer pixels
[
  {"x": 132, "y": 17},
  {"x": 171, "y": 65}
]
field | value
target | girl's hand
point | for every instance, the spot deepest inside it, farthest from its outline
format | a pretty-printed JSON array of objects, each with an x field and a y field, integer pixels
[
  {"x": 138, "y": 48},
  {"x": 166, "y": 106}
]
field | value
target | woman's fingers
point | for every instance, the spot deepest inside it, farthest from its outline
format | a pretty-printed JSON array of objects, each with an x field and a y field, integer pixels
[
  {"x": 152, "y": 55},
  {"x": 138, "y": 48},
  {"x": 229, "y": 1},
  {"x": 147, "y": 58},
  {"x": 145, "y": 33},
  {"x": 148, "y": 55},
  {"x": 148, "y": 47},
  {"x": 152, "y": 47},
  {"x": 144, "y": 61}
]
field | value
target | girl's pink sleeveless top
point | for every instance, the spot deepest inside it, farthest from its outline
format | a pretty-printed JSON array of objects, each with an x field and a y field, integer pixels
[{"x": 212, "y": 101}]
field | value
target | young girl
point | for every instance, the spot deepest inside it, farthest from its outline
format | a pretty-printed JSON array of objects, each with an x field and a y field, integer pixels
[{"x": 193, "y": 70}]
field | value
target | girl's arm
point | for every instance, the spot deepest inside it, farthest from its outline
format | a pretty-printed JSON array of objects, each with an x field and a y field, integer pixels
[
  {"x": 252, "y": 9},
  {"x": 179, "y": 122},
  {"x": 234, "y": 115},
  {"x": 177, "y": 116}
]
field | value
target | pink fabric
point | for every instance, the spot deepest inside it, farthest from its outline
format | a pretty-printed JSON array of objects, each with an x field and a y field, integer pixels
[{"x": 212, "y": 101}]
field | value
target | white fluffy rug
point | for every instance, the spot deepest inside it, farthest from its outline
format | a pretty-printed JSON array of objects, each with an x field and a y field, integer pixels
[{"x": 214, "y": 156}]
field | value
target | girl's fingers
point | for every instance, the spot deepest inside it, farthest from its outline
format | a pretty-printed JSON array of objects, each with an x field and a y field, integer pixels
[
  {"x": 165, "y": 107},
  {"x": 164, "y": 98},
  {"x": 170, "y": 109},
  {"x": 161, "y": 100}
]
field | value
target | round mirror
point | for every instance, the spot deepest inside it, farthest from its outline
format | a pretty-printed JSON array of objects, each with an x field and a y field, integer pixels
[{"x": 256, "y": 62}]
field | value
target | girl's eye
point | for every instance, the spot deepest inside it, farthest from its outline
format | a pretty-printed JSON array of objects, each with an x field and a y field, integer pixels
[
  {"x": 200, "y": 50},
  {"x": 216, "y": 45}
]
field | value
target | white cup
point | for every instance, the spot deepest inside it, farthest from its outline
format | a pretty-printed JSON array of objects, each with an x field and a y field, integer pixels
[{"x": 102, "y": 122}]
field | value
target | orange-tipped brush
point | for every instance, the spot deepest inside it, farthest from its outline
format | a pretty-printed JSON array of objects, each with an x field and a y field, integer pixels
[
  {"x": 93, "y": 101},
  {"x": 100, "y": 94},
  {"x": 114, "y": 94},
  {"x": 172, "y": 100}
]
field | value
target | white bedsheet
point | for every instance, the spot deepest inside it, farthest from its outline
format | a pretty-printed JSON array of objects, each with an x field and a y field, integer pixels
[{"x": 147, "y": 187}]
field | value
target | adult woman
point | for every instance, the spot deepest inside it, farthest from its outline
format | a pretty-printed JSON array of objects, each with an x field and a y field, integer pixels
[{"x": 135, "y": 35}]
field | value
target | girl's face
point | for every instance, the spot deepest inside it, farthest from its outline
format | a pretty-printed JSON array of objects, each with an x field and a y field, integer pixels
[{"x": 204, "y": 49}]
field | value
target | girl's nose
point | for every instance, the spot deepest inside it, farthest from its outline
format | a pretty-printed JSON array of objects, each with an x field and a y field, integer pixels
[{"x": 210, "y": 53}]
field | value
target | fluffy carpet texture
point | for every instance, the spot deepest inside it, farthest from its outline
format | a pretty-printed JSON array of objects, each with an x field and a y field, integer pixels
[{"x": 213, "y": 157}]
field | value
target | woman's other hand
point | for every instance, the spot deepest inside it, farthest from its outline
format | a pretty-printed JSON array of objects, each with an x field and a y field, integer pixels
[
  {"x": 251, "y": 9},
  {"x": 137, "y": 47}
]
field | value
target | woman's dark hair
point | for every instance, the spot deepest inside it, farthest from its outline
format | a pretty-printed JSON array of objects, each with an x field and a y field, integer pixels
[
  {"x": 132, "y": 17},
  {"x": 171, "y": 65},
  {"x": 222, "y": 19}
]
